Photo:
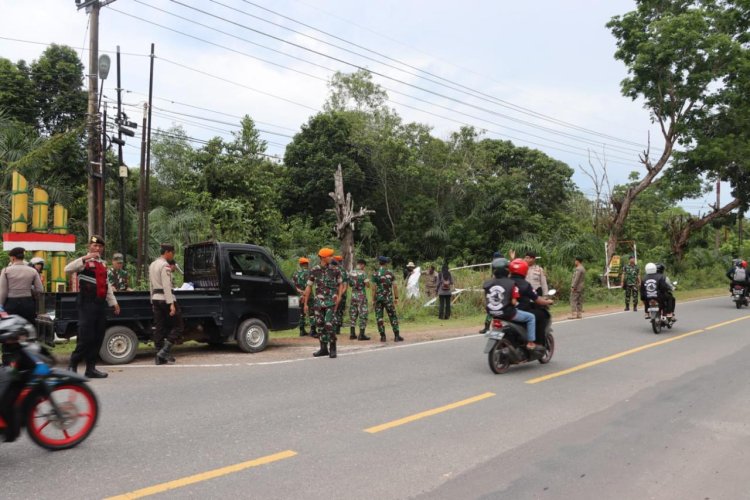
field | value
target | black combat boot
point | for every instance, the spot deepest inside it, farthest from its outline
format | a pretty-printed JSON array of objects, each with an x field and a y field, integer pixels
[
  {"x": 362, "y": 335},
  {"x": 332, "y": 350},
  {"x": 397, "y": 337},
  {"x": 92, "y": 372},
  {"x": 323, "y": 350},
  {"x": 302, "y": 331},
  {"x": 164, "y": 356},
  {"x": 486, "y": 327},
  {"x": 352, "y": 333}
]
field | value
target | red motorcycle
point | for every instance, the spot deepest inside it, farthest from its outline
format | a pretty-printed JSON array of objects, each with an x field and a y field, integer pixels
[{"x": 56, "y": 406}]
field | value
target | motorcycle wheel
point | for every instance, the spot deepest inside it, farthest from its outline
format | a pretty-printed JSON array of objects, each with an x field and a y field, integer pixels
[
  {"x": 79, "y": 412},
  {"x": 550, "y": 351},
  {"x": 738, "y": 304},
  {"x": 656, "y": 325},
  {"x": 498, "y": 363}
]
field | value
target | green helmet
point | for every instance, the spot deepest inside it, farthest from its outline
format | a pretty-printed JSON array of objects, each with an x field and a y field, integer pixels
[{"x": 500, "y": 267}]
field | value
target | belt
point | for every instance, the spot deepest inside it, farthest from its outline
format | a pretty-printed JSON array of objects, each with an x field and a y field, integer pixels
[{"x": 158, "y": 290}]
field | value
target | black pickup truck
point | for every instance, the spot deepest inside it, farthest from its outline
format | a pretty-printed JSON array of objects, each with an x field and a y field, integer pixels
[{"x": 239, "y": 294}]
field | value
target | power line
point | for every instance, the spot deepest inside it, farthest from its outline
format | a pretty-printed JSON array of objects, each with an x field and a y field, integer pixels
[
  {"x": 496, "y": 100},
  {"x": 358, "y": 66},
  {"x": 557, "y": 132}
]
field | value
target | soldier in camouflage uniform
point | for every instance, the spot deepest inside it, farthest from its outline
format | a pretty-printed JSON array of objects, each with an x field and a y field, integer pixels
[
  {"x": 328, "y": 289},
  {"x": 385, "y": 296},
  {"x": 300, "y": 283},
  {"x": 338, "y": 261},
  {"x": 117, "y": 276},
  {"x": 631, "y": 281},
  {"x": 358, "y": 282}
]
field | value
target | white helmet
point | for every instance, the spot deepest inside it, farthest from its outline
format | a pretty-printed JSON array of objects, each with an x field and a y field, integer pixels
[
  {"x": 650, "y": 268},
  {"x": 36, "y": 260}
]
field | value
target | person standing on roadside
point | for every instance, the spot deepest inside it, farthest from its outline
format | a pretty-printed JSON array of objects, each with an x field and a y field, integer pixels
[
  {"x": 94, "y": 295},
  {"x": 536, "y": 276},
  {"x": 328, "y": 289},
  {"x": 358, "y": 282},
  {"x": 117, "y": 276},
  {"x": 167, "y": 316},
  {"x": 18, "y": 285},
  {"x": 576, "y": 290},
  {"x": 300, "y": 282},
  {"x": 430, "y": 282},
  {"x": 385, "y": 297},
  {"x": 338, "y": 261},
  {"x": 445, "y": 291},
  {"x": 631, "y": 282}
]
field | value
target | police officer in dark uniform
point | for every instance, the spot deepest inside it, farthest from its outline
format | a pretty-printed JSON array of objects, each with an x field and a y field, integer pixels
[{"x": 94, "y": 294}]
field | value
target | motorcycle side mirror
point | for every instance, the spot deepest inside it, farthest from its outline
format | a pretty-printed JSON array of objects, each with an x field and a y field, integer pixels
[
  {"x": 552, "y": 293},
  {"x": 674, "y": 283}
]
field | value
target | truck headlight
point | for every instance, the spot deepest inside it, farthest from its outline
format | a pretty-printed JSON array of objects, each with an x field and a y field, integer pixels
[{"x": 293, "y": 301}]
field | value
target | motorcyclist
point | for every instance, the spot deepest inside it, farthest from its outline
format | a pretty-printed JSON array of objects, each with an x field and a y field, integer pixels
[
  {"x": 739, "y": 276},
  {"x": 528, "y": 297},
  {"x": 669, "y": 300},
  {"x": 501, "y": 297},
  {"x": 655, "y": 286}
]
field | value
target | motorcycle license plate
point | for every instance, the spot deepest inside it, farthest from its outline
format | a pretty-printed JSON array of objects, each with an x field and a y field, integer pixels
[
  {"x": 653, "y": 309},
  {"x": 495, "y": 334}
]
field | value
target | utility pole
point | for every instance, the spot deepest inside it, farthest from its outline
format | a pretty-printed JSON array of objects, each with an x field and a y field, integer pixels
[
  {"x": 147, "y": 194},
  {"x": 93, "y": 154},
  {"x": 345, "y": 217},
  {"x": 102, "y": 178},
  {"x": 140, "y": 259},
  {"x": 93, "y": 115},
  {"x": 718, "y": 206},
  {"x": 119, "y": 161}
]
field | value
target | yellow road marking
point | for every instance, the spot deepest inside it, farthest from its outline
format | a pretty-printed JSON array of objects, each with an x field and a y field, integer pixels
[
  {"x": 428, "y": 413},
  {"x": 599, "y": 361},
  {"x": 203, "y": 476}
]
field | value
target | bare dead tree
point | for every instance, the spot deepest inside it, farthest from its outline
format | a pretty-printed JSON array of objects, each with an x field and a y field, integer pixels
[
  {"x": 345, "y": 217},
  {"x": 599, "y": 176}
]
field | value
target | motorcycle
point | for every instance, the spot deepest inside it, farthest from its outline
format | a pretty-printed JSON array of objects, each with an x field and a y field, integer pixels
[
  {"x": 657, "y": 318},
  {"x": 506, "y": 344},
  {"x": 57, "y": 407},
  {"x": 739, "y": 297}
]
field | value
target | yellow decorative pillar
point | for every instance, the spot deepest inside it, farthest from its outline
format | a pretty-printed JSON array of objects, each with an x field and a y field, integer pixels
[
  {"x": 59, "y": 259},
  {"x": 39, "y": 224},
  {"x": 19, "y": 204}
]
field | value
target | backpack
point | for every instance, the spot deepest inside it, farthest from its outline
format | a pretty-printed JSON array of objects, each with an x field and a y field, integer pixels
[{"x": 740, "y": 274}]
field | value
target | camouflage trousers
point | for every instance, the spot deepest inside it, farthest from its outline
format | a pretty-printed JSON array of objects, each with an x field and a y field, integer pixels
[
  {"x": 338, "y": 316},
  {"x": 324, "y": 323},
  {"x": 305, "y": 319},
  {"x": 358, "y": 311},
  {"x": 391, "y": 310},
  {"x": 631, "y": 291}
]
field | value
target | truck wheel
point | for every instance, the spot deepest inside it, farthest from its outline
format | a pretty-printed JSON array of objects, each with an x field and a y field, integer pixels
[
  {"x": 120, "y": 345},
  {"x": 252, "y": 335}
]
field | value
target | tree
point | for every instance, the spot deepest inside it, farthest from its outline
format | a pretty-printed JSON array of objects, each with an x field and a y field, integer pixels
[
  {"x": 677, "y": 54},
  {"x": 57, "y": 77},
  {"x": 17, "y": 94},
  {"x": 354, "y": 91}
]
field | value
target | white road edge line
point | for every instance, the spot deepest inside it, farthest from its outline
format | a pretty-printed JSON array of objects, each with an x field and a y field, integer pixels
[{"x": 365, "y": 350}]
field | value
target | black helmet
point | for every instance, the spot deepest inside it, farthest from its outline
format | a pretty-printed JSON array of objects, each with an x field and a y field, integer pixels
[
  {"x": 660, "y": 268},
  {"x": 500, "y": 267}
]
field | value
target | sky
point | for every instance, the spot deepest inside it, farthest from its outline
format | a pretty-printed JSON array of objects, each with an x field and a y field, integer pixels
[{"x": 541, "y": 74}]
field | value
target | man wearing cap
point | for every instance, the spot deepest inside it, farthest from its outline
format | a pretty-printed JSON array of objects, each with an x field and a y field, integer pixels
[
  {"x": 385, "y": 296},
  {"x": 94, "y": 294},
  {"x": 18, "y": 284},
  {"x": 167, "y": 318},
  {"x": 117, "y": 276},
  {"x": 631, "y": 283},
  {"x": 358, "y": 282},
  {"x": 536, "y": 275},
  {"x": 328, "y": 289},
  {"x": 300, "y": 282}
]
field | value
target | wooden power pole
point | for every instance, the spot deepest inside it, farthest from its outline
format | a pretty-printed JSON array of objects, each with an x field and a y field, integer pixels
[{"x": 345, "y": 217}]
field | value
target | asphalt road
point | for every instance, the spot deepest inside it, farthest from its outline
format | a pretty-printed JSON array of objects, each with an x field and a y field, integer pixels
[{"x": 619, "y": 413}]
